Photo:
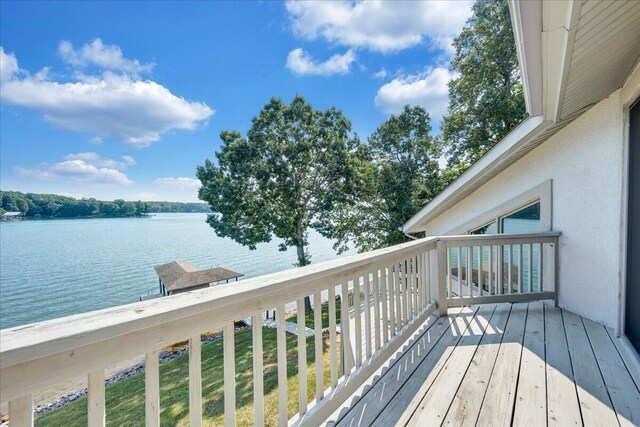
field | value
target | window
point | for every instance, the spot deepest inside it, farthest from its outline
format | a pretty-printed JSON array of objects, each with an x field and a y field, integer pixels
[
  {"x": 486, "y": 229},
  {"x": 526, "y": 220}
]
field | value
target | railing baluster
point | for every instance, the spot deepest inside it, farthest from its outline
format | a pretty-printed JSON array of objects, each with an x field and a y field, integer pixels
[
  {"x": 392, "y": 301},
  {"x": 302, "y": 355},
  {"x": 152, "y": 389},
  {"x": 281, "y": 338},
  {"x": 21, "y": 411},
  {"x": 490, "y": 278},
  {"x": 469, "y": 272},
  {"x": 415, "y": 285},
  {"x": 384, "y": 289},
  {"x": 229, "y": 359},
  {"x": 418, "y": 283},
  {"x": 195, "y": 381},
  {"x": 406, "y": 299},
  {"x": 520, "y": 290},
  {"x": 459, "y": 252},
  {"x": 317, "y": 320},
  {"x": 333, "y": 341},
  {"x": 399, "y": 299},
  {"x": 357, "y": 328},
  {"x": 95, "y": 399},
  {"x": 408, "y": 286},
  {"x": 345, "y": 334},
  {"x": 427, "y": 275},
  {"x": 367, "y": 315},
  {"x": 480, "y": 270},
  {"x": 376, "y": 308},
  {"x": 509, "y": 279},
  {"x": 540, "y": 272},
  {"x": 449, "y": 272},
  {"x": 258, "y": 372},
  {"x": 441, "y": 265},
  {"x": 530, "y": 267}
]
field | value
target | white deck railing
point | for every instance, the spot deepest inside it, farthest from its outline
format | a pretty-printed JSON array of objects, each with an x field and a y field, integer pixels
[{"x": 388, "y": 292}]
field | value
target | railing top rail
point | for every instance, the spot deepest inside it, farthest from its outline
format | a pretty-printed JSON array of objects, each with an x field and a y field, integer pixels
[
  {"x": 499, "y": 238},
  {"x": 32, "y": 341}
]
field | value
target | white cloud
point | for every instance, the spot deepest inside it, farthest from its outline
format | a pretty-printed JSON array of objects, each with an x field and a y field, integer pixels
[
  {"x": 96, "y": 160},
  {"x": 104, "y": 57},
  {"x": 128, "y": 160},
  {"x": 381, "y": 74},
  {"x": 111, "y": 105},
  {"x": 8, "y": 66},
  {"x": 428, "y": 90},
  {"x": 96, "y": 140},
  {"x": 179, "y": 183},
  {"x": 81, "y": 168},
  {"x": 300, "y": 62},
  {"x": 382, "y": 26}
]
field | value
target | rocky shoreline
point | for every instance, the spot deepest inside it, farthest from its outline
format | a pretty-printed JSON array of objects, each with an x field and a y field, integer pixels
[{"x": 165, "y": 356}]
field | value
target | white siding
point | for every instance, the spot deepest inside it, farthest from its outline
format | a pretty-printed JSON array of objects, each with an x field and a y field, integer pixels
[{"x": 584, "y": 160}]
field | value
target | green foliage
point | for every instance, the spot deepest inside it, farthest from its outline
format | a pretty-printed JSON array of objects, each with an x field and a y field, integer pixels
[
  {"x": 54, "y": 206},
  {"x": 178, "y": 207},
  {"x": 294, "y": 166},
  {"x": 396, "y": 176},
  {"x": 486, "y": 99}
]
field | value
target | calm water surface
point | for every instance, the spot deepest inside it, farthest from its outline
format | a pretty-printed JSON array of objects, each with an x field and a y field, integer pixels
[{"x": 53, "y": 268}]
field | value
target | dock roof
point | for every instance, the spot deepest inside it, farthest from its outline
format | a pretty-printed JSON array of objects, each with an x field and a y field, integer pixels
[{"x": 178, "y": 275}]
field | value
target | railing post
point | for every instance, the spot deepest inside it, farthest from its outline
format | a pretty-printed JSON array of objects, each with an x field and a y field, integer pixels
[{"x": 441, "y": 251}]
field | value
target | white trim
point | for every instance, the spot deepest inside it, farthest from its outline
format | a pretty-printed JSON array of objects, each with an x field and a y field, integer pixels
[
  {"x": 480, "y": 171},
  {"x": 560, "y": 19},
  {"x": 630, "y": 94},
  {"x": 526, "y": 20}
]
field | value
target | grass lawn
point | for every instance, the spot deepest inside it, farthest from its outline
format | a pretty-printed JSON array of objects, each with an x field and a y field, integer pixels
[
  {"x": 125, "y": 399},
  {"x": 309, "y": 321}
]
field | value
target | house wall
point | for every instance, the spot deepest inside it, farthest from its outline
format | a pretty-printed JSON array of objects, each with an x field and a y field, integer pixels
[{"x": 585, "y": 163}]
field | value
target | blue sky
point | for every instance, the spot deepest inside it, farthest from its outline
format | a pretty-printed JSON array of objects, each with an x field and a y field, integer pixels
[{"x": 125, "y": 99}]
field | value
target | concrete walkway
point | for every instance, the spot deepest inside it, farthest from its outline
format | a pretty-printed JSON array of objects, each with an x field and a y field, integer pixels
[{"x": 290, "y": 327}]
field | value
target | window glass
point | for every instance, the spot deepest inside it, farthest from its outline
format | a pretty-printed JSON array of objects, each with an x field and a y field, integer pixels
[
  {"x": 486, "y": 229},
  {"x": 526, "y": 220}
]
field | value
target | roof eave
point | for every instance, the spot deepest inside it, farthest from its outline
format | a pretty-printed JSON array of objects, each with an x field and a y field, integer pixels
[{"x": 526, "y": 21}]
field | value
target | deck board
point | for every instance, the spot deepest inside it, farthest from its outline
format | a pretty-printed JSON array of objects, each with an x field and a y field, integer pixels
[
  {"x": 497, "y": 406},
  {"x": 501, "y": 365},
  {"x": 562, "y": 398},
  {"x": 465, "y": 408},
  {"x": 531, "y": 397},
  {"x": 595, "y": 403}
]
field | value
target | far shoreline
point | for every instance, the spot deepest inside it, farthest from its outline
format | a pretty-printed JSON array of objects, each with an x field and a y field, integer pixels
[{"x": 54, "y": 218}]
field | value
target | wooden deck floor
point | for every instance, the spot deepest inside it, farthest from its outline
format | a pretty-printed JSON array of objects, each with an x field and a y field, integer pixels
[{"x": 505, "y": 364}]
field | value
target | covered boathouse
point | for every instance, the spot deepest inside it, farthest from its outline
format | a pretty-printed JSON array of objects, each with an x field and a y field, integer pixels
[{"x": 181, "y": 276}]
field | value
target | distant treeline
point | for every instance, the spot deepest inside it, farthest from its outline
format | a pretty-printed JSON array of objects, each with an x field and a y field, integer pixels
[{"x": 55, "y": 206}]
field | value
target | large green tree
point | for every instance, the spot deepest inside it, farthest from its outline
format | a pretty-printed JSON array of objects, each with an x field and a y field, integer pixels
[
  {"x": 485, "y": 99},
  {"x": 294, "y": 166},
  {"x": 398, "y": 174}
]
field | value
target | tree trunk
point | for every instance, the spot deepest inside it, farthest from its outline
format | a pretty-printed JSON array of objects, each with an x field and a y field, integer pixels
[{"x": 302, "y": 261}]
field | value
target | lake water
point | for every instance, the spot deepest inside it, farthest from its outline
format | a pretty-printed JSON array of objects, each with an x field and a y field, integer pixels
[{"x": 54, "y": 268}]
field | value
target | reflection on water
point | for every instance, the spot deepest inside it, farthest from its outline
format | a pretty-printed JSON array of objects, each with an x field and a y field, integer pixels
[{"x": 53, "y": 268}]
